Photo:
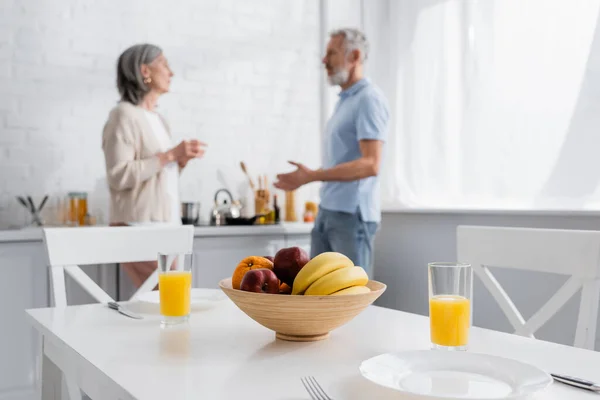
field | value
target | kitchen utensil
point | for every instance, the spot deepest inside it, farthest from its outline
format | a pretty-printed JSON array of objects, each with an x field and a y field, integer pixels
[
  {"x": 577, "y": 382},
  {"x": 261, "y": 202},
  {"x": 242, "y": 220},
  {"x": 43, "y": 203},
  {"x": 225, "y": 210},
  {"x": 243, "y": 165},
  {"x": 30, "y": 201},
  {"x": 301, "y": 318},
  {"x": 454, "y": 375},
  {"x": 28, "y": 204},
  {"x": 23, "y": 202},
  {"x": 315, "y": 391},
  {"x": 124, "y": 311},
  {"x": 190, "y": 212}
]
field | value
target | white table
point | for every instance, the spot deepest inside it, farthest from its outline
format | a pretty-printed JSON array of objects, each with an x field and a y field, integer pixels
[{"x": 223, "y": 354}]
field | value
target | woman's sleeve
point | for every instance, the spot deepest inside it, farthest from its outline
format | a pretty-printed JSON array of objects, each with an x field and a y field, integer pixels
[{"x": 123, "y": 171}]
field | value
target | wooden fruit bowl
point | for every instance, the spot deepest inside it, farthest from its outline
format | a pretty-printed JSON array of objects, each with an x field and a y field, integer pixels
[{"x": 301, "y": 318}]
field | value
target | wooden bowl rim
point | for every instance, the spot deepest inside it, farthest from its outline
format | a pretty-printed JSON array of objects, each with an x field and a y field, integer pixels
[{"x": 225, "y": 284}]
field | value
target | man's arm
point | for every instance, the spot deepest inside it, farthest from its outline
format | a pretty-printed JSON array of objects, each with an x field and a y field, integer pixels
[
  {"x": 371, "y": 128},
  {"x": 365, "y": 166}
]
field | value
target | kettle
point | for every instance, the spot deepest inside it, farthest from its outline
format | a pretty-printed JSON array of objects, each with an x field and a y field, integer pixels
[{"x": 222, "y": 211}]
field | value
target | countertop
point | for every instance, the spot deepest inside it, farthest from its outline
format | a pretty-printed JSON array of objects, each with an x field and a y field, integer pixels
[{"x": 287, "y": 228}]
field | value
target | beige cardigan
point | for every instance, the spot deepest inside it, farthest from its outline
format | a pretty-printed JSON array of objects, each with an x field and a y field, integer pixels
[{"x": 136, "y": 183}]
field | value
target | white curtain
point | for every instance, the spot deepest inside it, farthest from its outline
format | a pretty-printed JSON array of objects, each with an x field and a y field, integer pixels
[{"x": 496, "y": 103}]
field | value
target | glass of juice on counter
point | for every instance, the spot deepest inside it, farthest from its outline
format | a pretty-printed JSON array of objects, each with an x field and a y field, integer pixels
[
  {"x": 450, "y": 307},
  {"x": 174, "y": 286}
]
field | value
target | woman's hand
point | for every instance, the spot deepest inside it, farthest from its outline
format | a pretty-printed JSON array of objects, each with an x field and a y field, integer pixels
[
  {"x": 183, "y": 152},
  {"x": 188, "y": 149}
]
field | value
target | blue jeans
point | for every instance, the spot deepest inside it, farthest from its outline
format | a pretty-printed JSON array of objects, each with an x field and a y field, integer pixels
[{"x": 347, "y": 234}]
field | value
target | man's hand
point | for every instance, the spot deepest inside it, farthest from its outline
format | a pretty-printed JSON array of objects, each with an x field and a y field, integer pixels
[{"x": 293, "y": 180}]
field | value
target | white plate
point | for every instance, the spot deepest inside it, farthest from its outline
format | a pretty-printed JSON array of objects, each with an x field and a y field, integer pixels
[
  {"x": 450, "y": 375},
  {"x": 201, "y": 299}
]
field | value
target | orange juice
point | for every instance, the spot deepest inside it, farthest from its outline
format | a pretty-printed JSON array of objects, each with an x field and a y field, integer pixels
[
  {"x": 174, "y": 289},
  {"x": 449, "y": 318}
]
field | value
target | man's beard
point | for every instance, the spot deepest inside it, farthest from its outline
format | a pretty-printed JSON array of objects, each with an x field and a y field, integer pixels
[{"x": 339, "y": 77}]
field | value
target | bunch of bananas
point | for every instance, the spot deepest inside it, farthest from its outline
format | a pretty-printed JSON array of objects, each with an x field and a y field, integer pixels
[{"x": 330, "y": 273}]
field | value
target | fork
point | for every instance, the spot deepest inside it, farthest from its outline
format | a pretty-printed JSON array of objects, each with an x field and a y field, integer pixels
[{"x": 313, "y": 388}]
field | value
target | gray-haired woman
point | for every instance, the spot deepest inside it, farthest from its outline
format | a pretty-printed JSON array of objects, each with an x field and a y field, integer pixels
[{"x": 142, "y": 165}]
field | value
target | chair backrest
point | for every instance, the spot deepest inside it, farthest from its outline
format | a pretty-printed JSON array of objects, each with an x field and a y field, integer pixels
[
  {"x": 575, "y": 253},
  {"x": 67, "y": 248}
]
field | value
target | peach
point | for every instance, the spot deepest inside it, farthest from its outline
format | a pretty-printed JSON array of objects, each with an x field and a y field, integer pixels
[{"x": 247, "y": 264}]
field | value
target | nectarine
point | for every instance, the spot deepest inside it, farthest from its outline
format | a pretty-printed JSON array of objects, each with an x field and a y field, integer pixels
[
  {"x": 247, "y": 264},
  {"x": 260, "y": 280}
]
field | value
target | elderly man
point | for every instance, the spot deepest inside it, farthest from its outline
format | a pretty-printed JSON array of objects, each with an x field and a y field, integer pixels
[{"x": 349, "y": 213}]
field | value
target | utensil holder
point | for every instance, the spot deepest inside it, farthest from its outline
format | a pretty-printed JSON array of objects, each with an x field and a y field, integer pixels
[{"x": 261, "y": 201}]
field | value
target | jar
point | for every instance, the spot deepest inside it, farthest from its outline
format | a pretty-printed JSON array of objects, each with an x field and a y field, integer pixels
[
  {"x": 82, "y": 208},
  {"x": 77, "y": 208},
  {"x": 310, "y": 211},
  {"x": 72, "y": 214}
]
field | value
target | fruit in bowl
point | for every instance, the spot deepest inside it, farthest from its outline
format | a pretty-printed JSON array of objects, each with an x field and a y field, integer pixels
[
  {"x": 288, "y": 262},
  {"x": 247, "y": 264},
  {"x": 302, "y": 318},
  {"x": 327, "y": 274},
  {"x": 260, "y": 280},
  {"x": 326, "y": 292},
  {"x": 284, "y": 288}
]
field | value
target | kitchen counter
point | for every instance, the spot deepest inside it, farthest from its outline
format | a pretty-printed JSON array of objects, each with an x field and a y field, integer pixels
[{"x": 286, "y": 228}]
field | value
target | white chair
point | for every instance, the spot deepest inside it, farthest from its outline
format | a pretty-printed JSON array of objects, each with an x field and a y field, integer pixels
[
  {"x": 68, "y": 248},
  {"x": 573, "y": 253}
]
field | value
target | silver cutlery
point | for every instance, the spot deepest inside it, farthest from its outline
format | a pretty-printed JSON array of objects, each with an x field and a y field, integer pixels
[
  {"x": 313, "y": 388},
  {"x": 124, "y": 311},
  {"x": 577, "y": 382}
]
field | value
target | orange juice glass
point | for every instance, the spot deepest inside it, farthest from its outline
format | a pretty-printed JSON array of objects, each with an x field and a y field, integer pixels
[
  {"x": 175, "y": 286},
  {"x": 450, "y": 306}
]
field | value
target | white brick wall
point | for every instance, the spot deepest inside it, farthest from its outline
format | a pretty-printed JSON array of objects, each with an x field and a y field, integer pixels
[{"x": 246, "y": 81}]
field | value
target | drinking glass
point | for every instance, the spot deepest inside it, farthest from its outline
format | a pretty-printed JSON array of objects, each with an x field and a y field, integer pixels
[
  {"x": 450, "y": 306},
  {"x": 174, "y": 286}
]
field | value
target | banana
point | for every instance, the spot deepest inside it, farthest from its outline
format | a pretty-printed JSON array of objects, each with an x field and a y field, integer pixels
[
  {"x": 316, "y": 268},
  {"x": 337, "y": 280},
  {"x": 352, "y": 290}
]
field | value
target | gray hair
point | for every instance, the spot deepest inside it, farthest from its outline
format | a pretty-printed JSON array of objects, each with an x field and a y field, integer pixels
[
  {"x": 354, "y": 39},
  {"x": 130, "y": 81}
]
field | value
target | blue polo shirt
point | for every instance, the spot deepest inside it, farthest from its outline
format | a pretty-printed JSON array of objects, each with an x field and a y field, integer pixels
[{"x": 361, "y": 113}]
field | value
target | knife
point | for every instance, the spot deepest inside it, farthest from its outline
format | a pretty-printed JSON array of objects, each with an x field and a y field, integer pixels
[
  {"x": 577, "y": 382},
  {"x": 124, "y": 311}
]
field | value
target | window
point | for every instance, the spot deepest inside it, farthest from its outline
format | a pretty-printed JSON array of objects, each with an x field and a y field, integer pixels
[{"x": 496, "y": 103}]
